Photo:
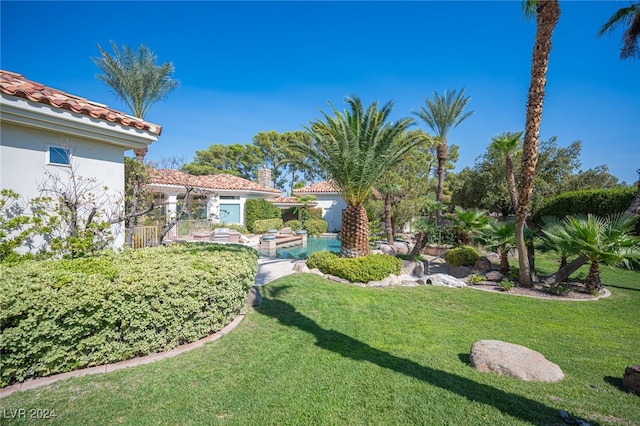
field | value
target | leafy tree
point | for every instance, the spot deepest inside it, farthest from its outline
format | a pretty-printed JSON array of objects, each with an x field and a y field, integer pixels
[
  {"x": 508, "y": 145},
  {"x": 389, "y": 191},
  {"x": 443, "y": 114},
  {"x": 236, "y": 159},
  {"x": 547, "y": 13},
  {"x": 273, "y": 153},
  {"x": 136, "y": 79},
  {"x": 629, "y": 18},
  {"x": 356, "y": 147}
]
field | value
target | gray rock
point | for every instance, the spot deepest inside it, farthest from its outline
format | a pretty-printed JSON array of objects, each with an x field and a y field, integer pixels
[
  {"x": 387, "y": 249},
  {"x": 483, "y": 264},
  {"x": 300, "y": 266},
  {"x": 631, "y": 379},
  {"x": 409, "y": 283},
  {"x": 494, "y": 276},
  {"x": 254, "y": 298},
  {"x": 509, "y": 359},
  {"x": 459, "y": 271},
  {"x": 412, "y": 268},
  {"x": 316, "y": 271},
  {"x": 402, "y": 247},
  {"x": 492, "y": 257},
  {"x": 391, "y": 280},
  {"x": 336, "y": 279},
  {"x": 444, "y": 280}
]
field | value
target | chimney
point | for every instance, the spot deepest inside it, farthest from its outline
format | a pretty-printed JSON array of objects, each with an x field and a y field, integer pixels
[{"x": 264, "y": 177}]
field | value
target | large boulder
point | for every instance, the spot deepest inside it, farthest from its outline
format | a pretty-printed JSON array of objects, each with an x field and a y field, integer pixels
[
  {"x": 300, "y": 267},
  {"x": 631, "y": 379},
  {"x": 389, "y": 281},
  {"x": 494, "y": 276},
  {"x": 509, "y": 359},
  {"x": 483, "y": 264},
  {"x": 412, "y": 268},
  {"x": 444, "y": 280}
]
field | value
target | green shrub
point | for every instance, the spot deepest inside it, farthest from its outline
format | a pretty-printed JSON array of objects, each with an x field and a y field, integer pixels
[
  {"x": 293, "y": 224},
  {"x": 58, "y": 316},
  {"x": 363, "y": 269},
  {"x": 461, "y": 256},
  {"x": 600, "y": 202},
  {"x": 316, "y": 226},
  {"x": 475, "y": 279},
  {"x": 321, "y": 260},
  {"x": 559, "y": 289},
  {"x": 505, "y": 285},
  {"x": 262, "y": 226},
  {"x": 315, "y": 213},
  {"x": 259, "y": 209},
  {"x": 234, "y": 226}
]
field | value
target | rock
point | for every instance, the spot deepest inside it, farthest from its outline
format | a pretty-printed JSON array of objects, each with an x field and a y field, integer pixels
[
  {"x": 444, "y": 280},
  {"x": 412, "y": 268},
  {"x": 509, "y": 359},
  {"x": 316, "y": 271},
  {"x": 492, "y": 257},
  {"x": 387, "y": 249},
  {"x": 336, "y": 279},
  {"x": 391, "y": 280},
  {"x": 401, "y": 247},
  {"x": 494, "y": 276},
  {"x": 459, "y": 271},
  {"x": 376, "y": 251},
  {"x": 483, "y": 264},
  {"x": 409, "y": 283},
  {"x": 254, "y": 298},
  {"x": 631, "y": 379},
  {"x": 300, "y": 266}
]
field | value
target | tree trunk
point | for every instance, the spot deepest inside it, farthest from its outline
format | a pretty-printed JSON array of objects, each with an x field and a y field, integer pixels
[
  {"x": 634, "y": 208},
  {"x": 511, "y": 183},
  {"x": 140, "y": 154},
  {"x": 354, "y": 232},
  {"x": 592, "y": 282},
  {"x": 388, "y": 227},
  {"x": 504, "y": 261},
  {"x": 421, "y": 242},
  {"x": 547, "y": 15},
  {"x": 442, "y": 160},
  {"x": 563, "y": 274}
]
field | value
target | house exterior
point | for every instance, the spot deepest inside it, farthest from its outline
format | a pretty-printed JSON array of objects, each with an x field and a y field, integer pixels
[
  {"x": 47, "y": 131},
  {"x": 220, "y": 197},
  {"x": 329, "y": 199}
]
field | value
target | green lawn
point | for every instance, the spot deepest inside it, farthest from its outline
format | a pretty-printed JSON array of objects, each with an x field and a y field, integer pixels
[{"x": 318, "y": 352}]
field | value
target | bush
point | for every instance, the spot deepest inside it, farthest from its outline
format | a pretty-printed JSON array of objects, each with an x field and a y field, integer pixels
[
  {"x": 262, "y": 226},
  {"x": 475, "y": 279},
  {"x": 505, "y": 285},
  {"x": 234, "y": 226},
  {"x": 293, "y": 224},
  {"x": 315, "y": 213},
  {"x": 363, "y": 269},
  {"x": 58, "y": 316},
  {"x": 461, "y": 256},
  {"x": 259, "y": 209},
  {"x": 316, "y": 226}
]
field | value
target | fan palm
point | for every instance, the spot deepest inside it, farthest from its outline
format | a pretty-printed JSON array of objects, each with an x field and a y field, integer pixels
[
  {"x": 628, "y": 17},
  {"x": 547, "y": 13},
  {"x": 468, "y": 223},
  {"x": 500, "y": 236},
  {"x": 136, "y": 79},
  {"x": 356, "y": 147},
  {"x": 508, "y": 145},
  {"x": 555, "y": 237},
  {"x": 442, "y": 114},
  {"x": 605, "y": 240}
]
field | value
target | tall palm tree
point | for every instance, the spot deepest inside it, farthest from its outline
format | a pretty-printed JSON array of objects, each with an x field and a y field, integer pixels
[
  {"x": 442, "y": 114},
  {"x": 508, "y": 145},
  {"x": 136, "y": 79},
  {"x": 628, "y": 17},
  {"x": 547, "y": 13},
  {"x": 356, "y": 147}
]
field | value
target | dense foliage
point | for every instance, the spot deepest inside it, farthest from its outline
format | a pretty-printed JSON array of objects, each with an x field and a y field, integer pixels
[
  {"x": 373, "y": 267},
  {"x": 57, "y": 316},
  {"x": 262, "y": 226},
  {"x": 461, "y": 256},
  {"x": 316, "y": 226},
  {"x": 259, "y": 209}
]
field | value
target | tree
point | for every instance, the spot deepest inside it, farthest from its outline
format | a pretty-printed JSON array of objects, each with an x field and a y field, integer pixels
[
  {"x": 235, "y": 159},
  {"x": 508, "y": 145},
  {"x": 390, "y": 191},
  {"x": 634, "y": 207},
  {"x": 356, "y": 147},
  {"x": 136, "y": 79},
  {"x": 500, "y": 236},
  {"x": 425, "y": 225},
  {"x": 547, "y": 13},
  {"x": 628, "y": 17},
  {"x": 272, "y": 147},
  {"x": 468, "y": 223},
  {"x": 442, "y": 114}
]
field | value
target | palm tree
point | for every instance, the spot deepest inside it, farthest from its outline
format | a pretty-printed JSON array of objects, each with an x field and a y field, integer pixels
[
  {"x": 507, "y": 145},
  {"x": 555, "y": 237},
  {"x": 442, "y": 114},
  {"x": 136, "y": 79},
  {"x": 390, "y": 191},
  {"x": 425, "y": 225},
  {"x": 356, "y": 148},
  {"x": 605, "y": 240},
  {"x": 469, "y": 223},
  {"x": 547, "y": 13},
  {"x": 500, "y": 236},
  {"x": 628, "y": 17}
]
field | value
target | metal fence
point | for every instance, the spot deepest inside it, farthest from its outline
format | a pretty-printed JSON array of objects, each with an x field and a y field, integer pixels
[
  {"x": 185, "y": 227},
  {"x": 145, "y": 236}
]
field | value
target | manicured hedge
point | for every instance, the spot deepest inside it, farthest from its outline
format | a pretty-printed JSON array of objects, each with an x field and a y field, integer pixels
[
  {"x": 58, "y": 316},
  {"x": 316, "y": 226},
  {"x": 461, "y": 256},
  {"x": 374, "y": 267},
  {"x": 262, "y": 226},
  {"x": 259, "y": 209},
  {"x": 599, "y": 202},
  {"x": 293, "y": 224}
]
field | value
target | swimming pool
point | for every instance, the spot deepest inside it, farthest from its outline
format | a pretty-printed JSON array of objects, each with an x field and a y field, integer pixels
[{"x": 314, "y": 244}]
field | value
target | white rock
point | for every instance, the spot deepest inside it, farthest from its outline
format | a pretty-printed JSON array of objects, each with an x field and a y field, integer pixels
[
  {"x": 391, "y": 280},
  {"x": 444, "y": 280}
]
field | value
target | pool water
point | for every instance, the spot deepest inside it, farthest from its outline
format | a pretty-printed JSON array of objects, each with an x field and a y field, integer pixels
[{"x": 314, "y": 244}]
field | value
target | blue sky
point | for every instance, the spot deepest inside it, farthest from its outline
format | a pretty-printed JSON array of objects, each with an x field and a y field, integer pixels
[{"x": 247, "y": 67}]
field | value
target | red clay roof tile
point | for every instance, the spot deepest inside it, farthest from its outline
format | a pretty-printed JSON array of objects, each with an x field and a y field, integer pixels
[
  {"x": 16, "y": 85},
  {"x": 221, "y": 181}
]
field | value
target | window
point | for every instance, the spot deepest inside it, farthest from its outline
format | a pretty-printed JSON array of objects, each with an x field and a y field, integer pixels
[
  {"x": 229, "y": 197},
  {"x": 59, "y": 156}
]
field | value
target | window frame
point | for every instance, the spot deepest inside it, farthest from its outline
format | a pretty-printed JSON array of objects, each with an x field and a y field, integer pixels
[{"x": 61, "y": 148}]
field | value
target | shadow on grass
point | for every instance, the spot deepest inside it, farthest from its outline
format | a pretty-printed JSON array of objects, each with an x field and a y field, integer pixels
[
  {"x": 622, "y": 287},
  {"x": 516, "y": 406}
]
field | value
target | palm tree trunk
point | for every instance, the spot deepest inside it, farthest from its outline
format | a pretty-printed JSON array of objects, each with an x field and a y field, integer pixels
[
  {"x": 547, "y": 15},
  {"x": 421, "y": 242},
  {"x": 354, "y": 232},
  {"x": 140, "y": 154},
  {"x": 504, "y": 261},
  {"x": 563, "y": 273},
  {"x": 442, "y": 160},
  {"x": 592, "y": 282},
  {"x": 511, "y": 183},
  {"x": 387, "y": 219}
]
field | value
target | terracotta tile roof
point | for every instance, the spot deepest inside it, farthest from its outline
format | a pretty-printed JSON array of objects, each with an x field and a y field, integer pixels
[
  {"x": 222, "y": 181},
  {"x": 328, "y": 186},
  {"x": 16, "y": 85},
  {"x": 289, "y": 201}
]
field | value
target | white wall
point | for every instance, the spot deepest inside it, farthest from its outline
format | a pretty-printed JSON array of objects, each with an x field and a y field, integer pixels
[
  {"x": 23, "y": 161},
  {"x": 332, "y": 206}
]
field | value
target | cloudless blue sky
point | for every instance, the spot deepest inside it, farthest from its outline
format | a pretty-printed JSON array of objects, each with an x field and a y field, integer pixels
[{"x": 247, "y": 67}]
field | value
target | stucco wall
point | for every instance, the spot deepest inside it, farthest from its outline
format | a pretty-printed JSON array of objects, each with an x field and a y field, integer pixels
[
  {"x": 23, "y": 162},
  {"x": 332, "y": 206}
]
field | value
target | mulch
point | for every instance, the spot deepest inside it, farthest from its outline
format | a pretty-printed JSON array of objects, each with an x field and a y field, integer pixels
[{"x": 577, "y": 291}]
